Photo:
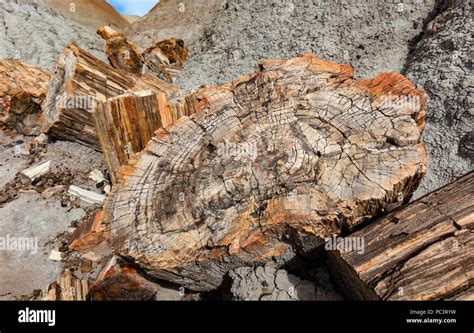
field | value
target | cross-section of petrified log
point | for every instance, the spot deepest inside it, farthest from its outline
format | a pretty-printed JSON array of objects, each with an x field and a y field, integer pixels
[
  {"x": 78, "y": 82},
  {"x": 267, "y": 167},
  {"x": 126, "y": 123},
  {"x": 122, "y": 52},
  {"x": 22, "y": 91},
  {"x": 424, "y": 251},
  {"x": 165, "y": 58}
]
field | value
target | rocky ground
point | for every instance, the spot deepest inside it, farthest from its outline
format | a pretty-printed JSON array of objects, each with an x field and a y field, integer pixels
[
  {"x": 441, "y": 62},
  {"x": 268, "y": 283},
  {"x": 40, "y": 209},
  {"x": 36, "y": 34},
  {"x": 373, "y": 38}
]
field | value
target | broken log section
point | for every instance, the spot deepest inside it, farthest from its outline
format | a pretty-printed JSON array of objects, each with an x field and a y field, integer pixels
[
  {"x": 267, "y": 167},
  {"x": 122, "y": 53},
  {"x": 85, "y": 195},
  {"x": 163, "y": 59},
  {"x": 423, "y": 251},
  {"x": 126, "y": 123},
  {"x": 22, "y": 91},
  {"x": 78, "y": 82},
  {"x": 37, "y": 170}
]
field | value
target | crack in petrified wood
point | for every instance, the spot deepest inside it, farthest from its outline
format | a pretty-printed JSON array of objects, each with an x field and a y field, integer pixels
[{"x": 269, "y": 165}]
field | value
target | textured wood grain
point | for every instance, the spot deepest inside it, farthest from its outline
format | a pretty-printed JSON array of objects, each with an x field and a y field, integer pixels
[
  {"x": 69, "y": 288},
  {"x": 22, "y": 91},
  {"x": 78, "y": 82},
  {"x": 424, "y": 251},
  {"x": 267, "y": 167},
  {"x": 165, "y": 58},
  {"x": 126, "y": 123}
]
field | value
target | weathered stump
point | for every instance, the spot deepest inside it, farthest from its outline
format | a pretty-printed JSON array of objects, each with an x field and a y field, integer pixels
[
  {"x": 267, "y": 167},
  {"x": 126, "y": 123}
]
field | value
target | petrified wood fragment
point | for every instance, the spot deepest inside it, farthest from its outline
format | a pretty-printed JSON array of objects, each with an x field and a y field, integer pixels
[
  {"x": 91, "y": 235},
  {"x": 78, "y": 82},
  {"x": 267, "y": 167},
  {"x": 423, "y": 251},
  {"x": 121, "y": 281},
  {"x": 69, "y": 288},
  {"x": 126, "y": 123},
  {"x": 165, "y": 58},
  {"x": 22, "y": 91},
  {"x": 121, "y": 51}
]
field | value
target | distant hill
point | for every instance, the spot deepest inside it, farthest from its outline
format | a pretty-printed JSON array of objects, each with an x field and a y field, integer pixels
[
  {"x": 132, "y": 18},
  {"x": 37, "y": 34},
  {"x": 90, "y": 13},
  {"x": 183, "y": 19}
]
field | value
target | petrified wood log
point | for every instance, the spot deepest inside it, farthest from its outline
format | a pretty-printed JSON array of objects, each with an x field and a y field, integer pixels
[
  {"x": 78, "y": 82},
  {"x": 423, "y": 251},
  {"x": 121, "y": 51},
  {"x": 165, "y": 58},
  {"x": 267, "y": 167},
  {"x": 22, "y": 91},
  {"x": 126, "y": 123}
]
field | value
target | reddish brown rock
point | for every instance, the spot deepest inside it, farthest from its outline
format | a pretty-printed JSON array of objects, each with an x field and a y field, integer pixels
[
  {"x": 92, "y": 235},
  {"x": 120, "y": 281},
  {"x": 22, "y": 91}
]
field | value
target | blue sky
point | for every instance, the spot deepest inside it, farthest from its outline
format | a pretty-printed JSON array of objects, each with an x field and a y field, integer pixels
[{"x": 133, "y": 7}]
